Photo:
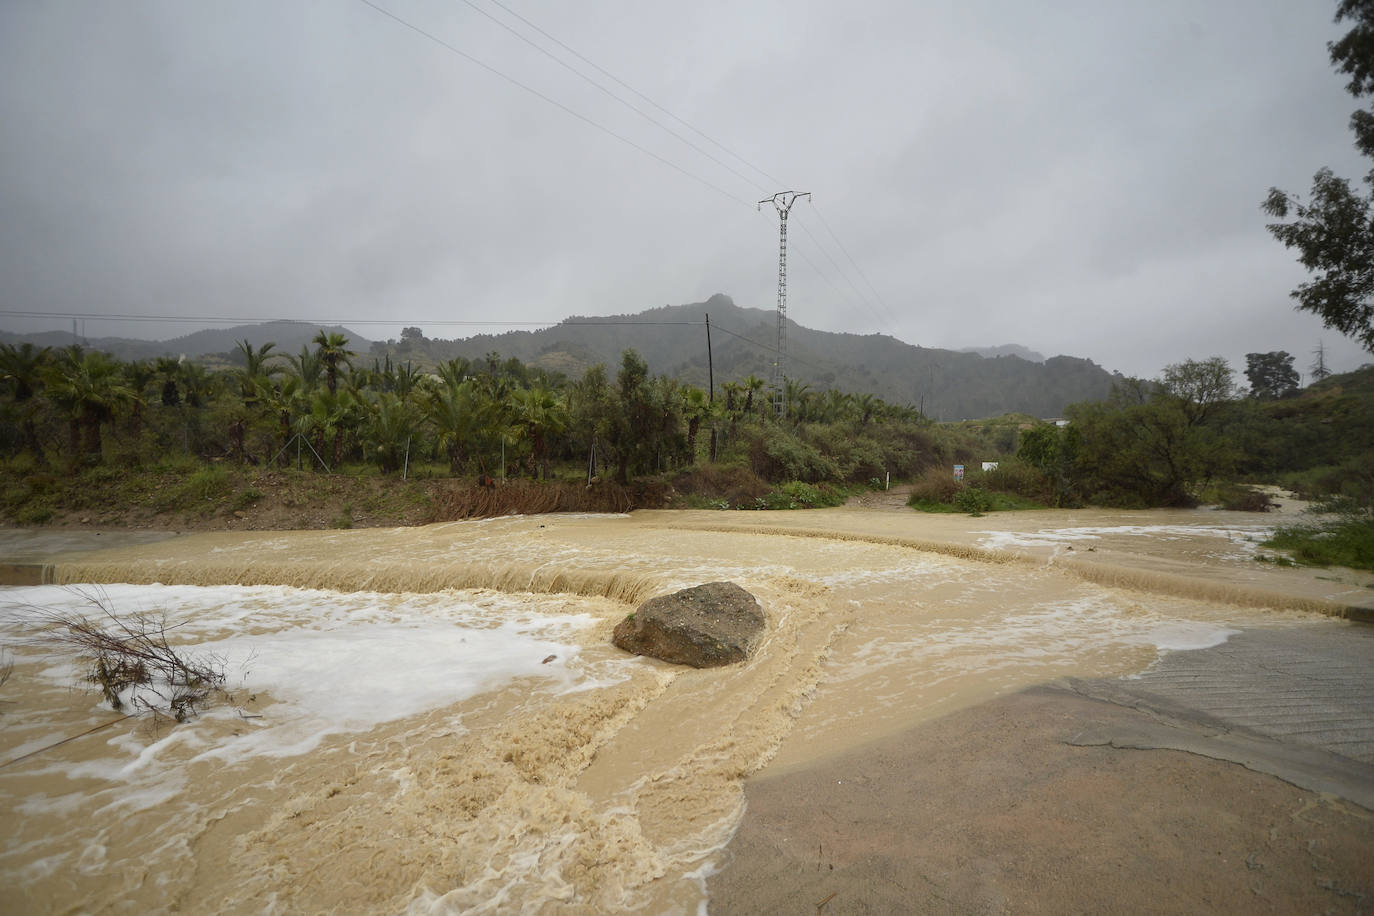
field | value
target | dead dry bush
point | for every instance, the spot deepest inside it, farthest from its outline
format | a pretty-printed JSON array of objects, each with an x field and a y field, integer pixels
[
  {"x": 129, "y": 658},
  {"x": 738, "y": 486},
  {"x": 527, "y": 497},
  {"x": 936, "y": 485}
]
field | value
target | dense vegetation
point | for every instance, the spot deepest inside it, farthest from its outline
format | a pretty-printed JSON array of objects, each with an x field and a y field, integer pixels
[
  {"x": 325, "y": 409},
  {"x": 80, "y": 427}
]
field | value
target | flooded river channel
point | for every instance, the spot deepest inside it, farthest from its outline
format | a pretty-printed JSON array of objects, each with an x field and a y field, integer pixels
[{"x": 434, "y": 720}]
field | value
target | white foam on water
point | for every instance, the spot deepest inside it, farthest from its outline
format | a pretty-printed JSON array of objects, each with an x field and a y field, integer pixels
[
  {"x": 332, "y": 662},
  {"x": 1186, "y": 635},
  {"x": 1244, "y": 535}
]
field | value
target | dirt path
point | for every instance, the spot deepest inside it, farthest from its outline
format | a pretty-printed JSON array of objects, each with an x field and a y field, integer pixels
[{"x": 885, "y": 500}]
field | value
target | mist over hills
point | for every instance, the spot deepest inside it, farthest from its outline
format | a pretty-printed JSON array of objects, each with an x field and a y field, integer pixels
[
  {"x": 1006, "y": 350},
  {"x": 946, "y": 384},
  {"x": 289, "y": 337}
]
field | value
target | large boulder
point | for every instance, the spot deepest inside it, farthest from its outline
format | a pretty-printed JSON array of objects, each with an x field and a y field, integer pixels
[{"x": 706, "y": 626}]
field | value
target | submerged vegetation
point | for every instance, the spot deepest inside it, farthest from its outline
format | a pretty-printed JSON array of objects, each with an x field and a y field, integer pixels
[
  {"x": 1342, "y": 536},
  {"x": 130, "y": 659}
]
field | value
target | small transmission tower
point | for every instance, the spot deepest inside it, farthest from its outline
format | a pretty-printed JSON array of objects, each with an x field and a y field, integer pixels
[{"x": 783, "y": 201}]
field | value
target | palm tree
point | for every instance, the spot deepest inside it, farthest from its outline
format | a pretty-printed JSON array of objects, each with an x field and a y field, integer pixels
[
  {"x": 455, "y": 410},
  {"x": 169, "y": 370},
  {"x": 867, "y": 405},
  {"x": 391, "y": 424},
  {"x": 139, "y": 374},
  {"x": 405, "y": 378},
  {"x": 89, "y": 387},
  {"x": 196, "y": 383},
  {"x": 732, "y": 391},
  {"x": 835, "y": 404},
  {"x": 751, "y": 385},
  {"x": 454, "y": 371},
  {"x": 333, "y": 352},
  {"x": 334, "y": 415},
  {"x": 255, "y": 367},
  {"x": 697, "y": 407},
  {"x": 281, "y": 400},
  {"x": 21, "y": 369},
  {"x": 538, "y": 413},
  {"x": 308, "y": 368}
]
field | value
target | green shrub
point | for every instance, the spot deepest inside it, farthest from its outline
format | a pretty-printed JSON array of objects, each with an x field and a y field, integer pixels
[
  {"x": 200, "y": 492},
  {"x": 1353, "y": 478},
  {"x": 1014, "y": 476},
  {"x": 776, "y": 454},
  {"x": 245, "y": 498},
  {"x": 208, "y": 483},
  {"x": 1345, "y": 541},
  {"x": 36, "y": 514},
  {"x": 798, "y": 495},
  {"x": 973, "y": 500}
]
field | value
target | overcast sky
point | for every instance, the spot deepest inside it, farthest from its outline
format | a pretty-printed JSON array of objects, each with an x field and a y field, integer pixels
[{"x": 1077, "y": 177}]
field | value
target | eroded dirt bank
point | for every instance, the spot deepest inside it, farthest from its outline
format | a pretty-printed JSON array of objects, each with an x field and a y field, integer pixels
[{"x": 592, "y": 780}]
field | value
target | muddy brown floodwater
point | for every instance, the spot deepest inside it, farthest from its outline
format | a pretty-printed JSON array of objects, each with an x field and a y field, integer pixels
[{"x": 433, "y": 719}]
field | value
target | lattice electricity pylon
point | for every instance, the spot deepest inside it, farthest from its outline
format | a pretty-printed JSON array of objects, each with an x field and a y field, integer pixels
[{"x": 783, "y": 201}]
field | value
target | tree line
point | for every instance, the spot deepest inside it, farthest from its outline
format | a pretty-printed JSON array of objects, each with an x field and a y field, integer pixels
[
  {"x": 328, "y": 407},
  {"x": 1193, "y": 431}
]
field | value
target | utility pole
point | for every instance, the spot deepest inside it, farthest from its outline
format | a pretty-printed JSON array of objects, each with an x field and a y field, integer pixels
[{"x": 783, "y": 201}]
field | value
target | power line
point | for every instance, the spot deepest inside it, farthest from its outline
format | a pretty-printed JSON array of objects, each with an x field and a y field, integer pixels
[
  {"x": 570, "y": 68},
  {"x": 838, "y": 269},
  {"x": 571, "y": 323},
  {"x": 885, "y": 316},
  {"x": 622, "y": 83},
  {"x": 768, "y": 348},
  {"x": 223, "y": 319},
  {"x": 559, "y": 105},
  {"x": 826, "y": 223}
]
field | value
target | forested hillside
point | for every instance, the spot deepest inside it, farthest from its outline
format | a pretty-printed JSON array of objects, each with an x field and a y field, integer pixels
[{"x": 943, "y": 384}]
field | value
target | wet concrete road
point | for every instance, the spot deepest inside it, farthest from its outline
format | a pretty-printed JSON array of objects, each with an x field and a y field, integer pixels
[{"x": 1295, "y": 703}]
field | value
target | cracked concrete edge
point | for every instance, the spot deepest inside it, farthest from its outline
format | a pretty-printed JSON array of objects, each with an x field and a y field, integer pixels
[{"x": 1175, "y": 728}]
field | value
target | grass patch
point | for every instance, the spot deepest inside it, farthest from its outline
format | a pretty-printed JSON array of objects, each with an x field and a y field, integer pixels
[
  {"x": 200, "y": 492},
  {"x": 245, "y": 498},
  {"x": 798, "y": 495},
  {"x": 36, "y": 514},
  {"x": 1346, "y": 541}
]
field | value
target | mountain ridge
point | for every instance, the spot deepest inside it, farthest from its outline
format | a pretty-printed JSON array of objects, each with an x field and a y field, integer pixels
[{"x": 945, "y": 384}]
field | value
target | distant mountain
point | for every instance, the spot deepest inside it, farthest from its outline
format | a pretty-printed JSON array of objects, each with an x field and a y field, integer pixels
[
  {"x": 1025, "y": 353},
  {"x": 289, "y": 337},
  {"x": 946, "y": 384}
]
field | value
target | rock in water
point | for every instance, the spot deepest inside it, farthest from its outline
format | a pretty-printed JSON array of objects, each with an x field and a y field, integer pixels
[{"x": 706, "y": 626}]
